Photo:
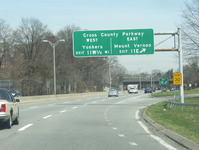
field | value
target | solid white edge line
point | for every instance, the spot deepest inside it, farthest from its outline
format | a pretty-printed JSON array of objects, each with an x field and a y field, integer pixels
[
  {"x": 156, "y": 137},
  {"x": 47, "y": 116},
  {"x": 163, "y": 142},
  {"x": 25, "y": 127},
  {"x": 137, "y": 115},
  {"x": 144, "y": 127}
]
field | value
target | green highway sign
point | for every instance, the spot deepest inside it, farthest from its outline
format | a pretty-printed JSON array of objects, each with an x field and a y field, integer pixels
[
  {"x": 163, "y": 81},
  {"x": 113, "y": 42}
]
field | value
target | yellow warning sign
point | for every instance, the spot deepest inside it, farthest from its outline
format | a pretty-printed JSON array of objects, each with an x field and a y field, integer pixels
[{"x": 177, "y": 78}]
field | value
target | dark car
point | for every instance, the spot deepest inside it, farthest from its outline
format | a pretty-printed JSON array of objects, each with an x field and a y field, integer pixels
[
  {"x": 14, "y": 93},
  {"x": 148, "y": 90}
]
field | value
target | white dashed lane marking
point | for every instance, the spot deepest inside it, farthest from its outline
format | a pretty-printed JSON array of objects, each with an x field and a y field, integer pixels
[
  {"x": 34, "y": 107},
  {"x": 121, "y": 135},
  {"x": 62, "y": 111},
  {"x": 133, "y": 143},
  {"x": 47, "y": 116},
  {"x": 25, "y": 127},
  {"x": 74, "y": 107}
]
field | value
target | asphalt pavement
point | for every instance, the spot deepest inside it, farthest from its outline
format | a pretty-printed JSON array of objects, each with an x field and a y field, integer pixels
[{"x": 87, "y": 123}]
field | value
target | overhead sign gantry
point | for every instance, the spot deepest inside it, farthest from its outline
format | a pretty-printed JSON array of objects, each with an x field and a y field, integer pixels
[
  {"x": 94, "y": 43},
  {"x": 123, "y": 42}
]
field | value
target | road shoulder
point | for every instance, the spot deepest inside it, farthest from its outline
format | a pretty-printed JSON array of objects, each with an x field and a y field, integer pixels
[{"x": 172, "y": 135}]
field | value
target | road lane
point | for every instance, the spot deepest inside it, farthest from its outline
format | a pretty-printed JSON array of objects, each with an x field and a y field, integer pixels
[
  {"x": 86, "y": 124},
  {"x": 128, "y": 126}
]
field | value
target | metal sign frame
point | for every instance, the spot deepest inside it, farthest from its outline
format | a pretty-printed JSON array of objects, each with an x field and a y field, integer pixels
[{"x": 178, "y": 48}]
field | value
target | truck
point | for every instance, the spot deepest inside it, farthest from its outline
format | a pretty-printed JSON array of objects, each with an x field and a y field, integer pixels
[{"x": 132, "y": 88}]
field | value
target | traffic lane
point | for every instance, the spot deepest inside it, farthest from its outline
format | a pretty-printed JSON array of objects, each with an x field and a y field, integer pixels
[
  {"x": 124, "y": 119},
  {"x": 75, "y": 101},
  {"x": 29, "y": 125},
  {"x": 43, "y": 109},
  {"x": 119, "y": 117},
  {"x": 84, "y": 128},
  {"x": 33, "y": 113}
]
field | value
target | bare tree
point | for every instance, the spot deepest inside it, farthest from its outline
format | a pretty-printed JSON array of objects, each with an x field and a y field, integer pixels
[
  {"x": 81, "y": 74},
  {"x": 191, "y": 71},
  {"x": 119, "y": 73},
  {"x": 31, "y": 66},
  {"x": 31, "y": 52},
  {"x": 190, "y": 28},
  {"x": 66, "y": 71},
  {"x": 5, "y": 39}
]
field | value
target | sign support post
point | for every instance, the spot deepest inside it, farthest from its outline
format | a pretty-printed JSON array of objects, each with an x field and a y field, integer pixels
[{"x": 180, "y": 66}]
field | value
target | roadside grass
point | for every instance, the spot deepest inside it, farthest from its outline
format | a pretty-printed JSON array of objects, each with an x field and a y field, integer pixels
[
  {"x": 193, "y": 91},
  {"x": 184, "y": 122},
  {"x": 162, "y": 94},
  {"x": 194, "y": 100},
  {"x": 172, "y": 93}
]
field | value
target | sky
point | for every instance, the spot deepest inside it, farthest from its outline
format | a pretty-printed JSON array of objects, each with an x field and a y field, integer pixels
[{"x": 159, "y": 15}]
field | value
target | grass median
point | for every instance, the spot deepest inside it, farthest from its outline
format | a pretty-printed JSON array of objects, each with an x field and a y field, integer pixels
[{"x": 185, "y": 123}]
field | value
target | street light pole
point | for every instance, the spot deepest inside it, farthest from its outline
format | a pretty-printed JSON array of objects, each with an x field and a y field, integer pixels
[{"x": 54, "y": 66}]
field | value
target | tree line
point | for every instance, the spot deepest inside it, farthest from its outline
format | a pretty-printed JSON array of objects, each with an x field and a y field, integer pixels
[
  {"x": 28, "y": 61},
  {"x": 190, "y": 37}
]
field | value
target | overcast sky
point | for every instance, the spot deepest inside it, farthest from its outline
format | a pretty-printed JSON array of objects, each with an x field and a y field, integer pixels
[{"x": 159, "y": 15}]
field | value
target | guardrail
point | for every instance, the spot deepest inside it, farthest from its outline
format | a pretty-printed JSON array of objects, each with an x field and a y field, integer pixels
[{"x": 182, "y": 107}]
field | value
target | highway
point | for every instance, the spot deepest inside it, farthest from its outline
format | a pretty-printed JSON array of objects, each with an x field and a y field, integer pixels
[{"x": 97, "y": 123}]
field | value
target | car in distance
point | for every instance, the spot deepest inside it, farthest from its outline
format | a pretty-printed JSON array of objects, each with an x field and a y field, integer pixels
[
  {"x": 132, "y": 88},
  {"x": 14, "y": 93},
  {"x": 9, "y": 110},
  {"x": 113, "y": 92},
  {"x": 172, "y": 89},
  {"x": 148, "y": 90},
  {"x": 164, "y": 89}
]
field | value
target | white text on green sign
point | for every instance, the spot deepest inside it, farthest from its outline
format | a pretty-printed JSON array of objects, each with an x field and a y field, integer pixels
[
  {"x": 163, "y": 81},
  {"x": 113, "y": 42}
]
